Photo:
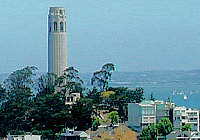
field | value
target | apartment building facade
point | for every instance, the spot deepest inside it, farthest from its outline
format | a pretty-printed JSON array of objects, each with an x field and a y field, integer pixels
[
  {"x": 164, "y": 109},
  {"x": 182, "y": 116},
  {"x": 141, "y": 114},
  {"x": 150, "y": 112}
]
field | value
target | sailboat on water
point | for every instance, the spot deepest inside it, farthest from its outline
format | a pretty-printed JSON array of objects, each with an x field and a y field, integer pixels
[{"x": 185, "y": 97}]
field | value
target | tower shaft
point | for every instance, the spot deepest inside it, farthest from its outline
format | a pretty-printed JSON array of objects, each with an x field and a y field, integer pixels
[{"x": 57, "y": 51}]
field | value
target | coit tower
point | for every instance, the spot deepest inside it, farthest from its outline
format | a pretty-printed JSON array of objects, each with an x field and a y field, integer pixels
[{"x": 57, "y": 55}]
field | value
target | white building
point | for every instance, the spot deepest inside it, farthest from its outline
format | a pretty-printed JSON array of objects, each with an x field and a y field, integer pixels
[
  {"x": 57, "y": 52},
  {"x": 74, "y": 135},
  {"x": 183, "y": 135},
  {"x": 141, "y": 114},
  {"x": 164, "y": 110},
  {"x": 23, "y": 137},
  {"x": 148, "y": 112},
  {"x": 182, "y": 116},
  {"x": 72, "y": 98}
]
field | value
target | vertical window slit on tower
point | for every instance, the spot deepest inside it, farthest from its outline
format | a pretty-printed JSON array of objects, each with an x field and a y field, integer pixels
[
  {"x": 61, "y": 26},
  {"x": 65, "y": 26},
  {"x": 55, "y": 26}
]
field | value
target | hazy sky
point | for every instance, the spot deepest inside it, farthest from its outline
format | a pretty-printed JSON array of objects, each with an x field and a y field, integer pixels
[{"x": 136, "y": 35}]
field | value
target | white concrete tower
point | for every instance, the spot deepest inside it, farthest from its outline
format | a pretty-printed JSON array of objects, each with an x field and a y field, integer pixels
[{"x": 57, "y": 52}]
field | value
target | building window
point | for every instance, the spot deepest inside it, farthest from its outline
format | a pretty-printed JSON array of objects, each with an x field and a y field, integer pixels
[
  {"x": 55, "y": 26},
  {"x": 61, "y": 26},
  {"x": 65, "y": 26},
  {"x": 68, "y": 99},
  {"x": 61, "y": 12},
  {"x": 50, "y": 29}
]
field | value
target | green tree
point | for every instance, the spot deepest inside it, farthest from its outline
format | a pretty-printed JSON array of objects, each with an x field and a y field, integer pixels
[
  {"x": 95, "y": 123},
  {"x": 153, "y": 131},
  {"x": 164, "y": 127},
  {"x": 186, "y": 127},
  {"x": 13, "y": 118},
  {"x": 138, "y": 95},
  {"x": 46, "y": 84},
  {"x": 149, "y": 133},
  {"x": 70, "y": 82},
  {"x": 49, "y": 114},
  {"x": 144, "y": 134},
  {"x": 17, "y": 96},
  {"x": 81, "y": 114},
  {"x": 121, "y": 97},
  {"x": 19, "y": 82},
  {"x": 96, "y": 96},
  {"x": 31, "y": 105},
  {"x": 114, "y": 117},
  {"x": 102, "y": 77},
  {"x": 119, "y": 100},
  {"x": 2, "y": 94},
  {"x": 124, "y": 95}
]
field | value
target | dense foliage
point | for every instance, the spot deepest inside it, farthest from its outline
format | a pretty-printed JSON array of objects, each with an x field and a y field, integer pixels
[
  {"x": 70, "y": 82},
  {"x": 162, "y": 128},
  {"x": 121, "y": 97},
  {"x": 114, "y": 117},
  {"x": 38, "y": 104},
  {"x": 102, "y": 77},
  {"x": 30, "y": 104},
  {"x": 95, "y": 123},
  {"x": 149, "y": 133},
  {"x": 186, "y": 127}
]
